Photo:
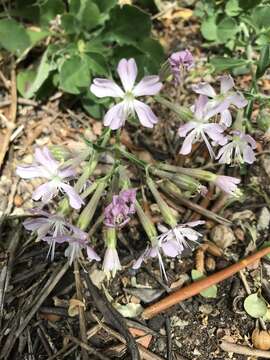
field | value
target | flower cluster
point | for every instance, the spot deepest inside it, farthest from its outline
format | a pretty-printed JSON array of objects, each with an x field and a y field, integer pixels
[
  {"x": 209, "y": 120},
  {"x": 55, "y": 229},
  {"x": 208, "y": 106}
]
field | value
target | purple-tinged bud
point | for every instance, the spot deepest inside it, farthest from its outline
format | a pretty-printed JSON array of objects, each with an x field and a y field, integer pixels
[
  {"x": 180, "y": 62},
  {"x": 117, "y": 213}
]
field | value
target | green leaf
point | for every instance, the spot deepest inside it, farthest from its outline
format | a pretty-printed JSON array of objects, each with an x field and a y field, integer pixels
[
  {"x": 209, "y": 28},
  {"x": 50, "y": 9},
  {"x": 24, "y": 80},
  {"x": 121, "y": 26},
  {"x": 248, "y": 4},
  {"x": 211, "y": 292},
  {"x": 74, "y": 75},
  {"x": 106, "y": 5},
  {"x": 264, "y": 61},
  {"x": 222, "y": 63},
  {"x": 13, "y": 37},
  {"x": 255, "y": 306},
  {"x": 97, "y": 64},
  {"x": 36, "y": 36},
  {"x": 154, "y": 55},
  {"x": 87, "y": 12},
  {"x": 42, "y": 73},
  {"x": 261, "y": 16},
  {"x": 232, "y": 8},
  {"x": 70, "y": 24},
  {"x": 226, "y": 29}
]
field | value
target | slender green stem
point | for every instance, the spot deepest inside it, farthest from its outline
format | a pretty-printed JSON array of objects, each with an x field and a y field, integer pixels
[{"x": 182, "y": 111}]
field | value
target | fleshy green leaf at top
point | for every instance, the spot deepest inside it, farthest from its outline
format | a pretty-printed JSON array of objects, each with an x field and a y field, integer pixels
[
  {"x": 87, "y": 13},
  {"x": 222, "y": 63},
  {"x": 127, "y": 25},
  {"x": 211, "y": 292},
  {"x": 226, "y": 29},
  {"x": 105, "y": 5},
  {"x": 232, "y": 8},
  {"x": 49, "y": 9},
  {"x": 255, "y": 306},
  {"x": 74, "y": 75},
  {"x": 37, "y": 35},
  {"x": 261, "y": 16},
  {"x": 209, "y": 28},
  {"x": 14, "y": 37}
]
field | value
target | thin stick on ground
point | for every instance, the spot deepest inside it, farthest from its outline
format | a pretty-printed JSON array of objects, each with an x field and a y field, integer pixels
[
  {"x": 200, "y": 285},
  {"x": 243, "y": 350}
]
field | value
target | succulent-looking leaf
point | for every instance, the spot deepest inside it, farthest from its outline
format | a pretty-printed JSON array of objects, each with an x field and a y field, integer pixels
[{"x": 255, "y": 306}]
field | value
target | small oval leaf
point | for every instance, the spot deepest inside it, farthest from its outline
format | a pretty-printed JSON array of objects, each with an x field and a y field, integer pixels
[{"x": 255, "y": 306}]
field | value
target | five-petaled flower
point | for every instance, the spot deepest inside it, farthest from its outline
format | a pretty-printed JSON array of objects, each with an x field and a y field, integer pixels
[
  {"x": 220, "y": 103},
  {"x": 119, "y": 113},
  {"x": 239, "y": 150},
  {"x": 45, "y": 166},
  {"x": 199, "y": 128},
  {"x": 180, "y": 61},
  {"x": 117, "y": 213},
  {"x": 171, "y": 243}
]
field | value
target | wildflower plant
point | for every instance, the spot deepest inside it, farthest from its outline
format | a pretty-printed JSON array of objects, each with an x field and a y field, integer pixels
[{"x": 78, "y": 201}]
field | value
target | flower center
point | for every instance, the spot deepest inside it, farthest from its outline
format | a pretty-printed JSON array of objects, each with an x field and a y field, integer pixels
[{"x": 129, "y": 96}]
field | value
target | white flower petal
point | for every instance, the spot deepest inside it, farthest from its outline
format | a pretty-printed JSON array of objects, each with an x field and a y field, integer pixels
[
  {"x": 204, "y": 89},
  {"x": 149, "y": 85},
  {"x": 105, "y": 87},
  {"x": 127, "y": 71},
  {"x": 145, "y": 114},
  {"x": 226, "y": 83},
  {"x": 115, "y": 116}
]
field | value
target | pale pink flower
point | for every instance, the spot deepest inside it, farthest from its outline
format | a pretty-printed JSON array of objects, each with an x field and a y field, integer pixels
[
  {"x": 48, "y": 228},
  {"x": 180, "y": 61},
  {"x": 77, "y": 241},
  {"x": 45, "y": 166},
  {"x": 228, "y": 184},
  {"x": 199, "y": 129},
  {"x": 171, "y": 243},
  {"x": 239, "y": 149},
  {"x": 119, "y": 113},
  {"x": 111, "y": 262},
  {"x": 117, "y": 213},
  {"x": 220, "y": 103}
]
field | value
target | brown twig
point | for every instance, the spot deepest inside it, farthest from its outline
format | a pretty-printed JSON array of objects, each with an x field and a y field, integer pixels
[
  {"x": 198, "y": 286},
  {"x": 243, "y": 350}
]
